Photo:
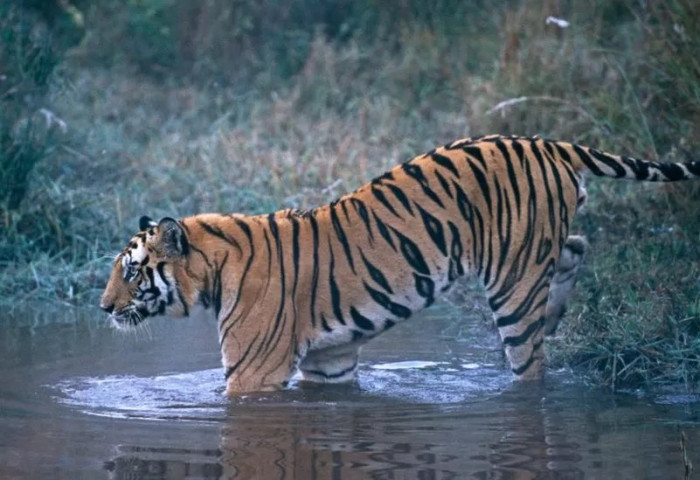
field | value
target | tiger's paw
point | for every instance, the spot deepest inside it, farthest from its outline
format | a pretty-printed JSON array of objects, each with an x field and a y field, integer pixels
[{"x": 563, "y": 282}]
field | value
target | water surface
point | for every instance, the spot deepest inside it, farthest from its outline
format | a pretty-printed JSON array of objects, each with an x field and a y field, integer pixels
[{"x": 434, "y": 400}]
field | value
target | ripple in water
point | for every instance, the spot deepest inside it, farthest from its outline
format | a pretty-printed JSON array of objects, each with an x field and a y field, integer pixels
[{"x": 198, "y": 396}]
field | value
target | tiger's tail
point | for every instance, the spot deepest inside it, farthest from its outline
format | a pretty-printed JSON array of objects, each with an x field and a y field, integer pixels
[{"x": 617, "y": 166}]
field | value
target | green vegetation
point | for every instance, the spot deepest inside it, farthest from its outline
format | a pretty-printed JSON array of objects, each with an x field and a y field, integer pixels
[{"x": 111, "y": 110}]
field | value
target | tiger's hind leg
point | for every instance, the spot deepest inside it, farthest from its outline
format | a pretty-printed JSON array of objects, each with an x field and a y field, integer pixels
[
  {"x": 336, "y": 364},
  {"x": 520, "y": 317},
  {"x": 563, "y": 282},
  {"x": 519, "y": 306},
  {"x": 523, "y": 306}
]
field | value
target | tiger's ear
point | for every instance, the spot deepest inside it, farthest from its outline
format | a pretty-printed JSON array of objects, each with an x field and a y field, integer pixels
[
  {"x": 146, "y": 222},
  {"x": 172, "y": 238}
]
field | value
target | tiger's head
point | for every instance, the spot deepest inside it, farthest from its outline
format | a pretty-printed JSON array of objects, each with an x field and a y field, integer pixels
[{"x": 144, "y": 281}]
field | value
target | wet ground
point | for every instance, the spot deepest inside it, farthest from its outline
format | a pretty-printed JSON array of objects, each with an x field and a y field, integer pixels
[{"x": 434, "y": 400}]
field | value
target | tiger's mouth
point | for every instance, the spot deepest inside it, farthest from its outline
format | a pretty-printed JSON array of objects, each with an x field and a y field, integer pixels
[{"x": 128, "y": 318}]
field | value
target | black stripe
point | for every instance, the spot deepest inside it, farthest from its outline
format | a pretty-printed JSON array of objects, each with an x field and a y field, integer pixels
[
  {"x": 384, "y": 231},
  {"x": 398, "y": 193},
  {"x": 444, "y": 184},
  {"x": 205, "y": 296},
  {"x": 154, "y": 290},
  {"x": 563, "y": 206},
  {"x": 181, "y": 297},
  {"x": 335, "y": 291},
  {"x": 243, "y": 226},
  {"x": 693, "y": 167},
  {"x": 203, "y": 255},
  {"x": 505, "y": 228},
  {"x": 546, "y": 184},
  {"x": 463, "y": 204},
  {"x": 521, "y": 369},
  {"x": 314, "y": 275},
  {"x": 445, "y": 162},
  {"x": 518, "y": 340},
  {"x": 324, "y": 324},
  {"x": 340, "y": 233},
  {"x": 339, "y": 374},
  {"x": 488, "y": 251},
  {"x": 244, "y": 274},
  {"x": 483, "y": 184},
  {"x": 672, "y": 171},
  {"x": 235, "y": 366},
  {"x": 217, "y": 286},
  {"x": 526, "y": 304},
  {"x": 588, "y": 161},
  {"x": 611, "y": 162},
  {"x": 550, "y": 150},
  {"x": 480, "y": 246},
  {"x": 224, "y": 319},
  {"x": 467, "y": 211},
  {"x": 475, "y": 152},
  {"x": 360, "y": 320},
  {"x": 512, "y": 178},
  {"x": 412, "y": 253},
  {"x": 217, "y": 232},
  {"x": 379, "y": 195},
  {"x": 160, "y": 267},
  {"x": 274, "y": 231},
  {"x": 295, "y": 262},
  {"x": 376, "y": 274},
  {"x": 562, "y": 152},
  {"x": 383, "y": 300},
  {"x": 415, "y": 172},
  {"x": 639, "y": 167},
  {"x": 425, "y": 288},
  {"x": 456, "y": 251},
  {"x": 344, "y": 206},
  {"x": 434, "y": 228},
  {"x": 384, "y": 176},
  {"x": 361, "y": 210},
  {"x": 519, "y": 151}
]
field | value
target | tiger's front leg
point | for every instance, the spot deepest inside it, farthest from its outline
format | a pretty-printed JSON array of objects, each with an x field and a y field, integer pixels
[
  {"x": 336, "y": 364},
  {"x": 247, "y": 373}
]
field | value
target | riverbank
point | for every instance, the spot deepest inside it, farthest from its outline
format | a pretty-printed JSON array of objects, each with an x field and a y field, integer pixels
[{"x": 180, "y": 109}]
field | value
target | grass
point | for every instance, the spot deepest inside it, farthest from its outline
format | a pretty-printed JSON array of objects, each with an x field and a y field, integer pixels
[
  {"x": 637, "y": 318},
  {"x": 179, "y": 126}
]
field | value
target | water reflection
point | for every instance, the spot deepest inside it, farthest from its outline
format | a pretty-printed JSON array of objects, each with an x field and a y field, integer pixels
[
  {"x": 151, "y": 463},
  {"x": 519, "y": 433},
  {"x": 78, "y": 401}
]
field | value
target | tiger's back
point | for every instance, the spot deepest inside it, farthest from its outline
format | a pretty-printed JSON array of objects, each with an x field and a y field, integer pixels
[{"x": 307, "y": 289}]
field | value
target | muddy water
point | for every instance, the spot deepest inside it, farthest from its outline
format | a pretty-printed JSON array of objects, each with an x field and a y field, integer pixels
[{"x": 434, "y": 400}]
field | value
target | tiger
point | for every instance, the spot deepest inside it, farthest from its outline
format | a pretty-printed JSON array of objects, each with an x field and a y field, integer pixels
[{"x": 303, "y": 291}]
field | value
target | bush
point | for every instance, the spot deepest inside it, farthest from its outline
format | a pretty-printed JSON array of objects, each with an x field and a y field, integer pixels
[
  {"x": 29, "y": 52},
  {"x": 180, "y": 107}
]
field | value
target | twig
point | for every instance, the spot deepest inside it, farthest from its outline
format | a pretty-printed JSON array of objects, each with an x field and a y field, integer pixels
[
  {"x": 506, "y": 103},
  {"x": 75, "y": 152},
  {"x": 686, "y": 461},
  {"x": 501, "y": 106},
  {"x": 614, "y": 373},
  {"x": 332, "y": 186}
]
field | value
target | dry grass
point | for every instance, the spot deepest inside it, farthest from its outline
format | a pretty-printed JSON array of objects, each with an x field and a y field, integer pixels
[{"x": 257, "y": 131}]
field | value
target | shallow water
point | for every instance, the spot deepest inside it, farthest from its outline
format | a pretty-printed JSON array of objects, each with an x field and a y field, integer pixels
[{"x": 434, "y": 400}]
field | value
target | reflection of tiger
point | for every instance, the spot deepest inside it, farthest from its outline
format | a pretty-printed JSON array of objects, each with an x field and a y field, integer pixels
[{"x": 307, "y": 289}]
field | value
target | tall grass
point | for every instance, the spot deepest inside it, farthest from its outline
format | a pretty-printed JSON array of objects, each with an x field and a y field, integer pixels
[{"x": 174, "y": 108}]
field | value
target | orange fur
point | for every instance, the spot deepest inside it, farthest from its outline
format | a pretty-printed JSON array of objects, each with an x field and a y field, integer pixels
[{"x": 305, "y": 290}]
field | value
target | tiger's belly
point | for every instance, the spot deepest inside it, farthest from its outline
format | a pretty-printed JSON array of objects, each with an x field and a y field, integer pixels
[{"x": 366, "y": 316}]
